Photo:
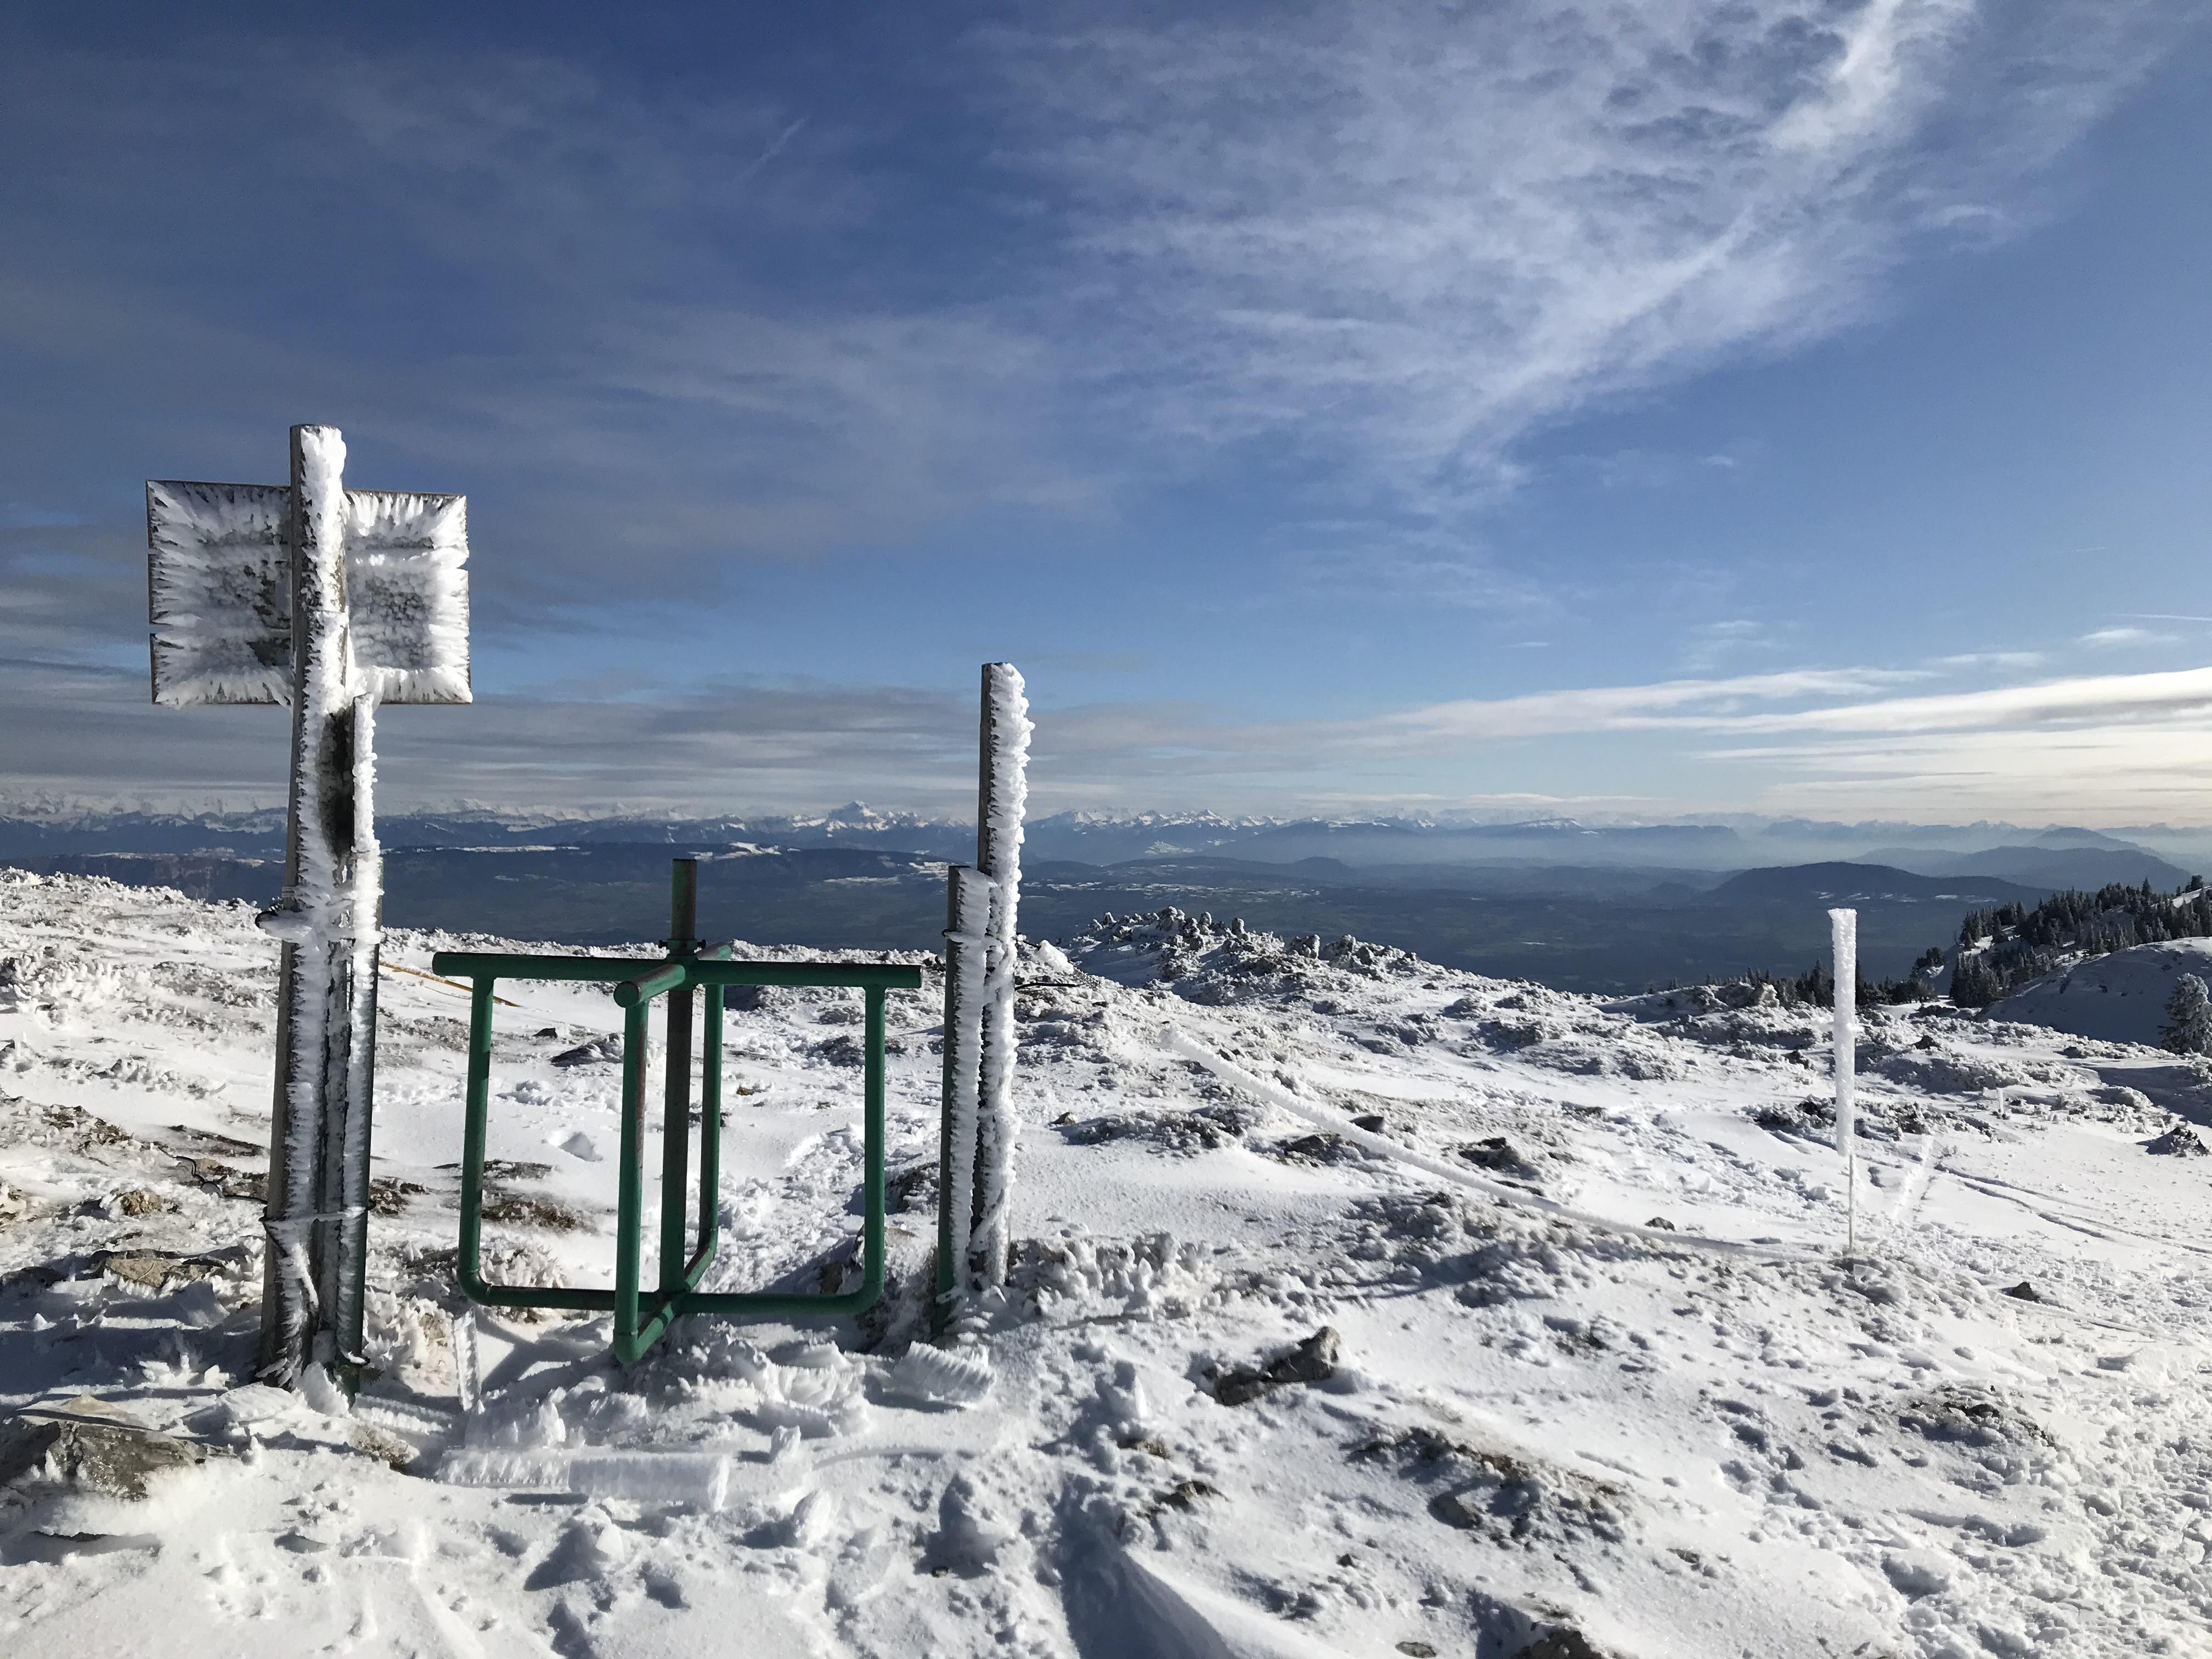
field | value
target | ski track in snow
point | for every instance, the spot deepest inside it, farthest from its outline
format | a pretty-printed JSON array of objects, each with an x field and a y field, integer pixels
[{"x": 1600, "y": 1367}]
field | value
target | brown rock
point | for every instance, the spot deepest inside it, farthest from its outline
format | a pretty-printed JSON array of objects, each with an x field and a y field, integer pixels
[
  {"x": 1312, "y": 1360},
  {"x": 90, "y": 1446}
]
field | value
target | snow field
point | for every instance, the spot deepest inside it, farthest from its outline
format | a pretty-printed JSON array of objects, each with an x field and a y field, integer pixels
[{"x": 1598, "y": 1366}]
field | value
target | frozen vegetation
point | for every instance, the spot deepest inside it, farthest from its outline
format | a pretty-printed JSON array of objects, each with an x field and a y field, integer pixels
[{"x": 1356, "y": 1306}]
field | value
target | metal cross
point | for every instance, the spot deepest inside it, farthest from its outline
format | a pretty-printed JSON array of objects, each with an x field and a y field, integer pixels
[{"x": 331, "y": 600}]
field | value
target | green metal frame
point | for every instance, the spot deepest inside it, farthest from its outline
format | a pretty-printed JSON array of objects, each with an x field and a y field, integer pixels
[{"x": 642, "y": 1318}]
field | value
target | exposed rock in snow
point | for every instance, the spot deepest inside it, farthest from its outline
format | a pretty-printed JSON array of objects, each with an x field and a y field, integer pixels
[
  {"x": 89, "y": 1446},
  {"x": 1312, "y": 1360},
  {"x": 2181, "y": 1141}
]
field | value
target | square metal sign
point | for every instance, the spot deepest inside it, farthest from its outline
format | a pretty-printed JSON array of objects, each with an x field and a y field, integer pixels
[{"x": 219, "y": 592}]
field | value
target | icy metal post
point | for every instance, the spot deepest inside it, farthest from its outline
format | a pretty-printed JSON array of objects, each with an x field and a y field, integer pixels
[
  {"x": 683, "y": 940},
  {"x": 967, "y": 920},
  {"x": 329, "y": 600},
  {"x": 976, "y": 1152},
  {"x": 1002, "y": 797},
  {"x": 1844, "y": 926}
]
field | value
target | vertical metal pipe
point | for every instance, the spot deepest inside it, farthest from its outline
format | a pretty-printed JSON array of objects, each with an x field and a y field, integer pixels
[
  {"x": 871, "y": 1208},
  {"x": 948, "y": 1276},
  {"x": 986, "y": 865},
  {"x": 283, "y": 1349},
  {"x": 710, "y": 1129},
  {"x": 313, "y": 1281},
  {"x": 987, "y": 738},
  {"x": 476, "y": 1109},
  {"x": 967, "y": 917},
  {"x": 353, "y": 1122},
  {"x": 998, "y": 842},
  {"x": 676, "y": 1090},
  {"x": 630, "y": 1203},
  {"x": 1843, "y": 930}
]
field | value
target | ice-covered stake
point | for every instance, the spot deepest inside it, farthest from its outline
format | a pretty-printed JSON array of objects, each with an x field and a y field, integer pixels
[
  {"x": 1003, "y": 800},
  {"x": 1844, "y": 926},
  {"x": 981, "y": 939},
  {"x": 331, "y": 600}
]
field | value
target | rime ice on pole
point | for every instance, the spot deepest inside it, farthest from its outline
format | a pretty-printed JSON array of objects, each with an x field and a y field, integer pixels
[
  {"x": 967, "y": 937},
  {"x": 1844, "y": 926},
  {"x": 1006, "y": 724},
  {"x": 980, "y": 942},
  {"x": 331, "y": 600}
]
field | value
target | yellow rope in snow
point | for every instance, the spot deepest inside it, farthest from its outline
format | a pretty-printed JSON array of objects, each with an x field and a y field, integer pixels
[{"x": 395, "y": 968}]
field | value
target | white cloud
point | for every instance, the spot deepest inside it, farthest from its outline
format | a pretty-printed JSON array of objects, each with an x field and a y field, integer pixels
[
  {"x": 2184, "y": 694},
  {"x": 2113, "y": 748},
  {"x": 1405, "y": 235},
  {"x": 1703, "y": 705},
  {"x": 2106, "y": 638},
  {"x": 1710, "y": 644},
  {"x": 2106, "y": 775}
]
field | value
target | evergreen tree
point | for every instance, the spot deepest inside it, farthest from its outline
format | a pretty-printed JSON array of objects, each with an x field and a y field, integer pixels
[{"x": 2188, "y": 1017}]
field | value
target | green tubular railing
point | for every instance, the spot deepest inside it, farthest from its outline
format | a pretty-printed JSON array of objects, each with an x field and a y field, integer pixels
[{"x": 642, "y": 1318}]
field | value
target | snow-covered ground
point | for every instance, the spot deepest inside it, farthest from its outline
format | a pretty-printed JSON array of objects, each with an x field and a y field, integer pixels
[
  {"x": 1594, "y": 1379},
  {"x": 2120, "y": 998}
]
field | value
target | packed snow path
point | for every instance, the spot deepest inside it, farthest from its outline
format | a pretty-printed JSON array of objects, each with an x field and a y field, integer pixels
[{"x": 1593, "y": 1365}]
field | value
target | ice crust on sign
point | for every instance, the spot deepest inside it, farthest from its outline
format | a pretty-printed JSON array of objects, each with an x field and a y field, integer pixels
[
  {"x": 220, "y": 598},
  {"x": 219, "y": 592},
  {"x": 408, "y": 587}
]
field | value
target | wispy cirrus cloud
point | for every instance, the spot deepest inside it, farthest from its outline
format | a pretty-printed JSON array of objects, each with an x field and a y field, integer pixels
[
  {"x": 2105, "y": 639},
  {"x": 1403, "y": 236},
  {"x": 2086, "y": 748}
]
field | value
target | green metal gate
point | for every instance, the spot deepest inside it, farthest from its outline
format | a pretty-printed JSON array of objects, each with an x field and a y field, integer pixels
[{"x": 642, "y": 1316}]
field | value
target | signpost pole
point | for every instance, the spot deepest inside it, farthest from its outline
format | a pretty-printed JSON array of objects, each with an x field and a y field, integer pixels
[
  {"x": 328, "y": 920},
  {"x": 331, "y": 600}
]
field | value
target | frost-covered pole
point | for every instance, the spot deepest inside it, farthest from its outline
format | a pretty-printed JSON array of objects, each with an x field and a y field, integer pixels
[
  {"x": 328, "y": 919},
  {"x": 1844, "y": 926},
  {"x": 976, "y": 1163},
  {"x": 329, "y": 600},
  {"x": 1002, "y": 797},
  {"x": 967, "y": 923}
]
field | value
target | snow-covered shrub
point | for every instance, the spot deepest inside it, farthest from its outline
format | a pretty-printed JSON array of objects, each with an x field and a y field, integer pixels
[{"x": 2188, "y": 1017}]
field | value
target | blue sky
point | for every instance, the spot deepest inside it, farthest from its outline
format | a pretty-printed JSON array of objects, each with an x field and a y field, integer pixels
[{"x": 1649, "y": 409}]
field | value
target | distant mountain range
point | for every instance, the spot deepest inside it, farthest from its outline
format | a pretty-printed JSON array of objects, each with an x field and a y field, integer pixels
[
  {"x": 1845, "y": 883},
  {"x": 2042, "y": 865},
  {"x": 1580, "y": 906},
  {"x": 2055, "y": 857}
]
